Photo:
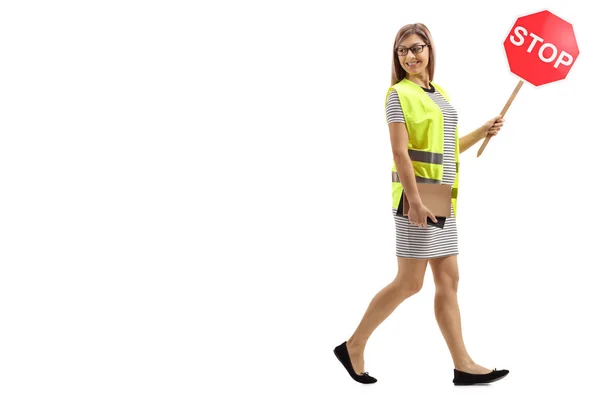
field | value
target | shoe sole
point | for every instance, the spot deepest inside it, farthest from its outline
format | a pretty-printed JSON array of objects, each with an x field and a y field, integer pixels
[{"x": 480, "y": 383}]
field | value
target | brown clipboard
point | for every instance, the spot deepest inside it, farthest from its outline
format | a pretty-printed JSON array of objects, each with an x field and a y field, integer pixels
[{"x": 435, "y": 196}]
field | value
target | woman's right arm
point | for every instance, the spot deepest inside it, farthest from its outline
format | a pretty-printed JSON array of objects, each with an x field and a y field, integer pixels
[
  {"x": 399, "y": 139},
  {"x": 418, "y": 213}
]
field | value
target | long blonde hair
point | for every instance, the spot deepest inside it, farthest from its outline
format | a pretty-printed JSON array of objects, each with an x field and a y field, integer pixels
[{"x": 398, "y": 73}]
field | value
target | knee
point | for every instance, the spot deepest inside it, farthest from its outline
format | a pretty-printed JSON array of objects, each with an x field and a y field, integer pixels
[
  {"x": 447, "y": 283},
  {"x": 408, "y": 286}
]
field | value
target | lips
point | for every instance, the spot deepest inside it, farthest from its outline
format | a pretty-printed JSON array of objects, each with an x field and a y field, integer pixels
[{"x": 412, "y": 64}]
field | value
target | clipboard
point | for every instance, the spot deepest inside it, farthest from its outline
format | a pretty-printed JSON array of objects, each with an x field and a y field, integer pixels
[{"x": 436, "y": 197}]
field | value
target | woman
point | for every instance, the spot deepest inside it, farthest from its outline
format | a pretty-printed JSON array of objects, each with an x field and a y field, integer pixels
[{"x": 422, "y": 124}]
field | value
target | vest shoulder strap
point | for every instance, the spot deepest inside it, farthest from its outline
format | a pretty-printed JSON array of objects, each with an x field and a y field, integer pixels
[{"x": 407, "y": 87}]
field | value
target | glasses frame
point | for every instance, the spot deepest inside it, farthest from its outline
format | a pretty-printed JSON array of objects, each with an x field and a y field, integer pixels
[{"x": 420, "y": 46}]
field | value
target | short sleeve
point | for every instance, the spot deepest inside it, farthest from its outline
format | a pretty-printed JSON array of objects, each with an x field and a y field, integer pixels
[{"x": 393, "y": 110}]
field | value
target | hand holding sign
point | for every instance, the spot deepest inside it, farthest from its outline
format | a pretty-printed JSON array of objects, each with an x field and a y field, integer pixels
[
  {"x": 492, "y": 126},
  {"x": 541, "y": 48}
]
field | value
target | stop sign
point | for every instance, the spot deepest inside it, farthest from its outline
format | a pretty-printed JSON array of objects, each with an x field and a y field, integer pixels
[{"x": 541, "y": 48}]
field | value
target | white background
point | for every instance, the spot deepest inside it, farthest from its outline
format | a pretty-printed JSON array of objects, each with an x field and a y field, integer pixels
[{"x": 195, "y": 202}]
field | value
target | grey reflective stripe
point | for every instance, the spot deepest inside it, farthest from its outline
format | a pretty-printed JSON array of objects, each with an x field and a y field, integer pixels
[
  {"x": 427, "y": 180},
  {"x": 396, "y": 178},
  {"x": 426, "y": 156}
]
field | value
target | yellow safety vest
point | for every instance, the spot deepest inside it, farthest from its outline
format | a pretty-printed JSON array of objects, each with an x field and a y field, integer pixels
[{"x": 425, "y": 125}]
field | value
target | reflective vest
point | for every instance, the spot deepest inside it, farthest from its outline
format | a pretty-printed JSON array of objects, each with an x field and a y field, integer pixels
[{"x": 425, "y": 125}]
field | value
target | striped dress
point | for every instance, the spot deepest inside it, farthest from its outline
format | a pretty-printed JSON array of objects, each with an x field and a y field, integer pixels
[{"x": 413, "y": 241}]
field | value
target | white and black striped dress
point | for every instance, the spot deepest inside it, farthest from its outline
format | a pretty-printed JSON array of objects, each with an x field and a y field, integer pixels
[{"x": 413, "y": 241}]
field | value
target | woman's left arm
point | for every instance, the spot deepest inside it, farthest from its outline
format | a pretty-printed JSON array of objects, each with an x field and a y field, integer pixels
[{"x": 491, "y": 127}]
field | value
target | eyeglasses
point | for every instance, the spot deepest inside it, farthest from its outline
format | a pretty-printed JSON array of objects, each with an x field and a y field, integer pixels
[{"x": 415, "y": 49}]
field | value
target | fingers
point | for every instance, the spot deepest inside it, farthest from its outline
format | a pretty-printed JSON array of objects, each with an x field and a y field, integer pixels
[
  {"x": 433, "y": 218},
  {"x": 421, "y": 224},
  {"x": 499, "y": 120},
  {"x": 496, "y": 127},
  {"x": 421, "y": 220}
]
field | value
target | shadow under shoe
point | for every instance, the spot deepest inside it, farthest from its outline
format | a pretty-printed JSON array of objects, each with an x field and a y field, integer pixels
[
  {"x": 341, "y": 352},
  {"x": 464, "y": 378}
]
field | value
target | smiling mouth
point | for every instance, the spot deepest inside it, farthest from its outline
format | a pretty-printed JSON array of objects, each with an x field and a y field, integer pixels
[{"x": 412, "y": 64}]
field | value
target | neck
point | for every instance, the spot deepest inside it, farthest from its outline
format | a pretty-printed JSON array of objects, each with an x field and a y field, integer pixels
[{"x": 420, "y": 79}]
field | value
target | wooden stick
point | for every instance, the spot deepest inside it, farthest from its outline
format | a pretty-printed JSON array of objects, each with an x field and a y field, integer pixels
[{"x": 508, "y": 103}]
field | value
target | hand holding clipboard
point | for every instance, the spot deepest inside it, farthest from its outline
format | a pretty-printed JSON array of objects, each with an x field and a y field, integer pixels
[{"x": 436, "y": 200}]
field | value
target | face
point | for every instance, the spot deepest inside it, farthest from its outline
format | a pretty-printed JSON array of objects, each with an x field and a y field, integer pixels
[{"x": 413, "y": 63}]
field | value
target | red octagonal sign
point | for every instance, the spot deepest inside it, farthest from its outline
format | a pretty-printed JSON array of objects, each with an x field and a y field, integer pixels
[{"x": 541, "y": 48}]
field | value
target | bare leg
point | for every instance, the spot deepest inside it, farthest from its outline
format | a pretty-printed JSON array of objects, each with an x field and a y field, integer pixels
[
  {"x": 447, "y": 313},
  {"x": 408, "y": 282}
]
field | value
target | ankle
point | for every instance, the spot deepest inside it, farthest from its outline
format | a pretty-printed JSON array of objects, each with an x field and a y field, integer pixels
[
  {"x": 463, "y": 364},
  {"x": 355, "y": 343}
]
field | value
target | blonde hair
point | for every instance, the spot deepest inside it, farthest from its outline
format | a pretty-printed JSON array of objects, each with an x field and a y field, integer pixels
[{"x": 398, "y": 73}]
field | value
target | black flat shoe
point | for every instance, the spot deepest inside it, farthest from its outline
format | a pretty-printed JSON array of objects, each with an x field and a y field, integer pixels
[
  {"x": 341, "y": 352},
  {"x": 464, "y": 378}
]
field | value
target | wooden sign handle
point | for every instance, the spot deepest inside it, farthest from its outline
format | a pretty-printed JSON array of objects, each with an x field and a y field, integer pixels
[{"x": 508, "y": 103}]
